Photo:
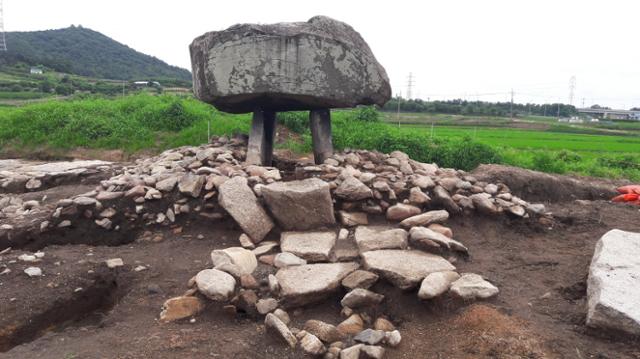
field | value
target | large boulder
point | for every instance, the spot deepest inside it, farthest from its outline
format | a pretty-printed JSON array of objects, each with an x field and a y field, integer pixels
[
  {"x": 305, "y": 284},
  {"x": 613, "y": 287},
  {"x": 237, "y": 198},
  {"x": 321, "y": 63},
  {"x": 300, "y": 205}
]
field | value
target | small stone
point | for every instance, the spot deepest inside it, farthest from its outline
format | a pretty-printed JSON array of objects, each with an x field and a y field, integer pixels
[
  {"x": 473, "y": 286},
  {"x": 343, "y": 234},
  {"x": 371, "y": 352},
  {"x": 114, "y": 262},
  {"x": 326, "y": 332},
  {"x": 248, "y": 281},
  {"x": 243, "y": 260},
  {"x": 265, "y": 306},
  {"x": 33, "y": 272},
  {"x": 215, "y": 284},
  {"x": 384, "y": 325},
  {"x": 417, "y": 197},
  {"x": 265, "y": 247},
  {"x": 352, "y": 325},
  {"x": 400, "y": 211},
  {"x": 286, "y": 259},
  {"x": 282, "y": 315},
  {"x": 376, "y": 238},
  {"x": 274, "y": 287},
  {"x": 275, "y": 326},
  {"x": 310, "y": 344},
  {"x": 65, "y": 223},
  {"x": 436, "y": 284},
  {"x": 352, "y": 352},
  {"x": 360, "y": 279},
  {"x": 29, "y": 258},
  {"x": 425, "y": 219},
  {"x": 311, "y": 246},
  {"x": 246, "y": 242},
  {"x": 140, "y": 268},
  {"x": 246, "y": 301},
  {"x": 446, "y": 231},
  {"x": 392, "y": 338},
  {"x": 180, "y": 307},
  {"x": 350, "y": 219},
  {"x": 352, "y": 189},
  {"x": 361, "y": 298},
  {"x": 370, "y": 336}
]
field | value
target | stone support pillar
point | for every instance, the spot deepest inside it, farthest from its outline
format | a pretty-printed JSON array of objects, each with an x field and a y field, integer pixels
[
  {"x": 260, "y": 148},
  {"x": 320, "y": 123}
]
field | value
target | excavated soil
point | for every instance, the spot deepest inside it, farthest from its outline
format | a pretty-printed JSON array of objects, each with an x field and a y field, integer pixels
[{"x": 81, "y": 309}]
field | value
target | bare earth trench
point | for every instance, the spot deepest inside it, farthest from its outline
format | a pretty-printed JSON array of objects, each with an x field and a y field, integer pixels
[{"x": 81, "y": 309}]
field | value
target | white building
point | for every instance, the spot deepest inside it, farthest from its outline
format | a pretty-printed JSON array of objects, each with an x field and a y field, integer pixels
[{"x": 36, "y": 71}]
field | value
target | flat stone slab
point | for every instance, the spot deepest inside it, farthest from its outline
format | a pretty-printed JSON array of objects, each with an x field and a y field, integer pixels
[
  {"x": 306, "y": 284},
  {"x": 312, "y": 246},
  {"x": 321, "y": 63},
  {"x": 404, "y": 268},
  {"x": 242, "y": 204},
  {"x": 374, "y": 238},
  {"x": 300, "y": 205},
  {"x": 613, "y": 287}
]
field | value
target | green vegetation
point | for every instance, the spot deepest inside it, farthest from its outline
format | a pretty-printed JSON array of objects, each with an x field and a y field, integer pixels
[
  {"x": 153, "y": 123},
  {"x": 462, "y": 107},
  {"x": 81, "y": 51}
]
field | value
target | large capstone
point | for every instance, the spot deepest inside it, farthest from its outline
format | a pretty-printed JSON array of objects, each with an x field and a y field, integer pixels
[
  {"x": 300, "y": 205},
  {"x": 613, "y": 287},
  {"x": 321, "y": 63}
]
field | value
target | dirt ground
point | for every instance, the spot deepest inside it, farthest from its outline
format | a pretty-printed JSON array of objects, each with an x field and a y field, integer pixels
[{"x": 81, "y": 309}]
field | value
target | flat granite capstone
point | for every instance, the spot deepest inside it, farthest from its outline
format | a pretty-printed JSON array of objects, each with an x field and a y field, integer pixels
[{"x": 311, "y": 283}]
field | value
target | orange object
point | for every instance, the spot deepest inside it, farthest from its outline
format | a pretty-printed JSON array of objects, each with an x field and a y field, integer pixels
[
  {"x": 628, "y": 194},
  {"x": 633, "y": 188}
]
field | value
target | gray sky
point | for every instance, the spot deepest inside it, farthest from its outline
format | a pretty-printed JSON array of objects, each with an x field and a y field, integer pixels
[{"x": 455, "y": 49}]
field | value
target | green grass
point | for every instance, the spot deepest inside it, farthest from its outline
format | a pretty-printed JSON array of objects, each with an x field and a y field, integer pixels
[{"x": 8, "y": 95}]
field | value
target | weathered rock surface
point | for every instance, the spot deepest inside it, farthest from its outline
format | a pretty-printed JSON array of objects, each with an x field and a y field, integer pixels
[
  {"x": 215, "y": 284},
  {"x": 312, "y": 246},
  {"x": 278, "y": 329},
  {"x": 401, "y": 211},
  {"x": 352, "y": 189},
  {"x": 375, "y": 238},
  {"x": 239, "y": 200},
  {"x": 405, "y": 268},
  {"x": 420, "y": 234},
  {"x": 360, "y": 279},
  {"x": 321, "y": 63},
  {"x": 472, "y": 286},
  {"x": 613, "y": 287},
  {"x": 328, "y": 333},
  {"x": 311, "y": 345},
  {"x": 370, "y": 336},
  {"x": 436, "y": 284},
  {"x": 360, "y": 297},
  {"x": 180, "y": 307},
  {"x": 286, "y": 259},
  {"x": 244, "y": 260},
  {"x": 301, "y": 285},
  {"x": 300, "y": 205},
  {"x": 425, "y": 219},
  {"x": 352, "y": 325}
]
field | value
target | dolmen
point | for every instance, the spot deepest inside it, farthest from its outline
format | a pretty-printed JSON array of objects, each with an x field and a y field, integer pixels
[{"x": 301, "y": 66}]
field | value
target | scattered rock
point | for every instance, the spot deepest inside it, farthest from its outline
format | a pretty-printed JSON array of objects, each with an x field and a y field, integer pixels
[
  {"x": 351, "y": 189},
  {"x": 276, "y": 327},
  {"x": 312, "y": 246},
  {"x": 237, "y": 198},
  {"x": 300, "y": 205},
  {"x": 384, "y": 325},
  {"x": 361, "y": 298},
  {"x": 191, "y": 185},
  {"x": 311, "y": 345},
  {"x": 350, "y": 219},
  {"x": 114, "y": 262},
  {"x": 370, "y": 336},
  {"x": 215, "y": 284},
  {"x": 326, "y": 332},
  {"x": 425, "y": 219},
  {"x": 301, "y": 285},
  {"x": 352, "y": 325},
  {"x": 613, "y": 287},
  {"x": 420, "y": 234},
  {"x": 371, "y": 352},
  {"x": 282, "y": 315},
  {"x": 400, "y": 211},
  {"x": 404, "y": 268},
  {"x": 375, "y": 238},
  {"x": 242, "y": 261},
  {"x": 267, "y": 305},
  {"x": 446, "y": 231},
  {"x": 359, "y": 279},
  {"x": 286, "y": 259},
  {"x": 33, "y": 271},
  {"x": 392, "y": 338},
  {"x": 352, "y": 352},
  {"x": 436, "y": 284},
  {"x": 180, "y": 307},
  {"x": 472, "y": 286}
]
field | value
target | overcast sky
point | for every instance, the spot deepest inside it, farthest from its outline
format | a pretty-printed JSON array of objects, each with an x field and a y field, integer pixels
[{"x": 475, "y": 49}]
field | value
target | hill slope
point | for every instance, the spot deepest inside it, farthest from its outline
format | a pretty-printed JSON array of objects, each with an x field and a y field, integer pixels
[{"x": 85, "y": 52}]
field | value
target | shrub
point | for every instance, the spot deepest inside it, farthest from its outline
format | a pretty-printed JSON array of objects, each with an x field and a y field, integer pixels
[
  {"x": 543, "y": 161},
  {"x": 366, "y": 114}
]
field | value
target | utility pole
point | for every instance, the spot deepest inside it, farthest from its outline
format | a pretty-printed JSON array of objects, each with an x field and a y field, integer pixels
[
  {"x": 558, "y": 110},
  {"x": 572, "y": 88},
  {"x": 398, "y": 112},
  {"x": 3, "y": 40},
  {"x": 583, "y": 102},
  {"x": 511, "y": 110},
  {"x": 122, "y": 88},
  {"x": 409, "y": 85}
]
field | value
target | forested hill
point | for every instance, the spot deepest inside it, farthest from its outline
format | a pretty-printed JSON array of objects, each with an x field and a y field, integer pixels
[{"x": 85, "y": 52}]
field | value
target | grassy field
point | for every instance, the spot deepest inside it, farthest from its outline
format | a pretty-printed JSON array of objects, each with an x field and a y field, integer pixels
[
  {"x": 610, "y": 149},
  {"x": 148, "y": 123}
]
